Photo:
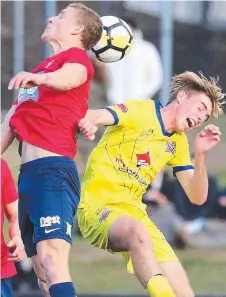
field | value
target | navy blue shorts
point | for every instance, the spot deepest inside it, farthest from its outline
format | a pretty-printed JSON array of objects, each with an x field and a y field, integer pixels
[
  {"x": 49, "y": 193},
  {"x": 6, "y": 287}
]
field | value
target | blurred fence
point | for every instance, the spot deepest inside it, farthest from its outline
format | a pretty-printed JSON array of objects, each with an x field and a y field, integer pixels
[{"x": 196, "y": 47}]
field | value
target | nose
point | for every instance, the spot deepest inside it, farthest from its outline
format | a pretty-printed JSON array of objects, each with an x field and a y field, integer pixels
[{"x": 50, "y": 20}]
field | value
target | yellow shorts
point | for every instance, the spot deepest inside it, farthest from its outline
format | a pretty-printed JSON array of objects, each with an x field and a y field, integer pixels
[{"x": 94, "y": 223}]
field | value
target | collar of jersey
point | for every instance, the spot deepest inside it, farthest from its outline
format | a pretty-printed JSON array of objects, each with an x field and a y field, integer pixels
[{"x": 158, "y": 107}]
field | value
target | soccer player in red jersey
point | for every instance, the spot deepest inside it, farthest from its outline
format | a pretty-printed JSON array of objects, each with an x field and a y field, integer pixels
[
  {"x": 51, "y": 101},
  {"x": 9, "y": 207}
]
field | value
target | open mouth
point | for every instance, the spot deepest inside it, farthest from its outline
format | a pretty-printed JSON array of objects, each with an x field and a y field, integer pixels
[{"x": 191, "y": 123}]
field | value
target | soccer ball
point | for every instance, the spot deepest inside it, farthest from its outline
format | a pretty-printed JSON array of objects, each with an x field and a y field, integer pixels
[{"x": 116, "y": 40}]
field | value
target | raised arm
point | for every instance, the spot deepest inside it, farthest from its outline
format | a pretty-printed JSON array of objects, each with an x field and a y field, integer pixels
[
  {"x": 94, "y": 118},
  {"x": 70, "y": 76},
  {"x": 195, "y": 182},
  {"x": 7, "y": 136}
]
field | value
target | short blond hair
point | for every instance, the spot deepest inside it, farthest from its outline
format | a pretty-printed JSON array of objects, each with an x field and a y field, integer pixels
[
  {"x": 198, "y": 82},
  {"x": 93, "y": 26}
]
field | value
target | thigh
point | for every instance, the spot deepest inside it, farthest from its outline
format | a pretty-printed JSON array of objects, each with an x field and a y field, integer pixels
[
  {"x": 177, "y": 278},
  {"x": 56, "y": 249},
  {"x": 95, "y": 222},
  {"x": 162, "y": 249},
  {"x": 51, "y": 200},
  {"x": 6, "y": 287}
]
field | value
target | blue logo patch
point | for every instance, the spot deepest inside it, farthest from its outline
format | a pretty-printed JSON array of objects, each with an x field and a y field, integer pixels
[
  {"x": 27, "y": 94},
  {"x": 171, "y": 147}
]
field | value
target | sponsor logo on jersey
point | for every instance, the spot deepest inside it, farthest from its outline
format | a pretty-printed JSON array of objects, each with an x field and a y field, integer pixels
[
  {"x": 49, "y": 221},
  {"x": 171, "y": 147},
  {"x": 104, "y": 213},
  {"x": 133, "y": 173},
  {"x": 120, "y": 161},
  {"x": 143, "y": 160},
  {"x": 123, "y": 107}
]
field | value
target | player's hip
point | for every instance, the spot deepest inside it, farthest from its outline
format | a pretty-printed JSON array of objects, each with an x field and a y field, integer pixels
[
  {"x": 46, "y": 176},
  {"x": 31, "y": 152},
  {"x": 99, "y": 194}
]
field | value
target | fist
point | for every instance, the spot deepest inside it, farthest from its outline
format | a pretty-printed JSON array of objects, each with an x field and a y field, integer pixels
[{"x": 87, "y": 127}]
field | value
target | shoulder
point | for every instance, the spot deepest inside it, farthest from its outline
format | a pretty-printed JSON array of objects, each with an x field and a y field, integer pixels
[{"x": 181, "y": 141}]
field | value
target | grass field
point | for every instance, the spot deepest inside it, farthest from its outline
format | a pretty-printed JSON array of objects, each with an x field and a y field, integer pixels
[
  {"x": 97, "y": 271},
  {"x": 94, "y": 270}
]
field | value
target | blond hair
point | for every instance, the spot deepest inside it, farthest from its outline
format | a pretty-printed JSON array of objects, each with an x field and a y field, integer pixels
[
  {"x": 93, "y": 26},
  {"x": 198, "y": 82}
]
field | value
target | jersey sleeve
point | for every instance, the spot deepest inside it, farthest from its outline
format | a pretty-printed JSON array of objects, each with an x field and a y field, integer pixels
[
  {"x": 76, "y": 55},
  {"x": 8, "y": 191},
  {"x": 181, "y": 160},
  {"x": 129, "y": 113}
]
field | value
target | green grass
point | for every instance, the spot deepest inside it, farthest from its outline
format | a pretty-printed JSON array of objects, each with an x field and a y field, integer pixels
[{"x": 94, "y": 270}]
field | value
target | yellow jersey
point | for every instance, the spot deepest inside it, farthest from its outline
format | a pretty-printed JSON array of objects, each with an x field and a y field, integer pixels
[{"x": 130, "y": 154}]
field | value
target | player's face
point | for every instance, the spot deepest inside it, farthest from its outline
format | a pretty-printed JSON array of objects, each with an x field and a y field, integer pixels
[
  {"x": 193, "y": 109},
  {"x": 63, "y": 26}
]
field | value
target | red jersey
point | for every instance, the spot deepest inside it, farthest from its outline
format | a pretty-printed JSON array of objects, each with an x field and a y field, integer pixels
[
  {"x": 48, "y": 118},
  {"x": 8, "y": 195}
]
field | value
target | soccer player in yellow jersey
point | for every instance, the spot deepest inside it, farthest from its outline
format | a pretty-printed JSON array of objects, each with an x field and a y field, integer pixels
[{"x": 141, "y": 139}]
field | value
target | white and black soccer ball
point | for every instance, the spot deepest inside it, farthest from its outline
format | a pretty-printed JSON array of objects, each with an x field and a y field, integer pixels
[{"x": 115, "y": 42}]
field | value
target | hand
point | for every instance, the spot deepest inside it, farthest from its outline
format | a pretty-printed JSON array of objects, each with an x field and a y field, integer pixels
[
  {"x": 87, "y": 126},
  {"x": 26, "y": 80},
  {"x": 18, "y": 254},
  {"x": 207, "y": 139}
]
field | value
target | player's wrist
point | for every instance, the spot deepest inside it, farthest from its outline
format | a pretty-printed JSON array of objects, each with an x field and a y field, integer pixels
[{"x": 43, "y": 79}]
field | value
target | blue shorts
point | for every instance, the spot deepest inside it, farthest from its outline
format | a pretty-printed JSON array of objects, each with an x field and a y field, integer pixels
[
  {"x": 6, "y": 287},
  {"x": 49, "y": 193}
]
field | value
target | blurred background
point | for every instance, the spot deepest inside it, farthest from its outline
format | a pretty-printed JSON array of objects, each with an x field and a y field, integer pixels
[{"x": 169, "y": 37}]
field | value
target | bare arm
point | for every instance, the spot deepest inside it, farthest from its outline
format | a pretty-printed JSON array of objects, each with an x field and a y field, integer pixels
[
  {"x": 94, "y": 118},
  {"x": 7, "y": 136},
  {"x": 195, "y": 182},
  {"x": 11, "y": 212},
  {"x": 16, "y": 243},
  {"x": 70, "y": 76}
]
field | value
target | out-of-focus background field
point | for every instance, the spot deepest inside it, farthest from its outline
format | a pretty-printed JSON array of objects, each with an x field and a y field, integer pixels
[{"x": 190, "y": 35}]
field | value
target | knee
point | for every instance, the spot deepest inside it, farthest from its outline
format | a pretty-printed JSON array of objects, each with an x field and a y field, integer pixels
[
  {"x": 135, "y": 234},
  {"x": 53, "y": 257}
]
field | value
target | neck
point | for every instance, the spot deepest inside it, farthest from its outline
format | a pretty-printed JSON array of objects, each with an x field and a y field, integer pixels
[
  {"x": 168, "y": 114},
  {"x": 58, "y": 47}
]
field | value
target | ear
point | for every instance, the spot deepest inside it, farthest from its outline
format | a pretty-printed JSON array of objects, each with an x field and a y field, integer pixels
[
  {"x": 78, "y": 30},
  {"x": 181, "y": 95}
]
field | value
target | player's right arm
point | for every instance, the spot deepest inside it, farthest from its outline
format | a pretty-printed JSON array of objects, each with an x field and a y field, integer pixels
[
  {"x": 128, "y": 114},
  {"x": 10, "y": 204},
  {"x": 7, "y": 135}
]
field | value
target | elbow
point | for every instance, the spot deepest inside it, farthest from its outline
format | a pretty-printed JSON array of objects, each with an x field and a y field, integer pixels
[{"x": 198, "y": 200}]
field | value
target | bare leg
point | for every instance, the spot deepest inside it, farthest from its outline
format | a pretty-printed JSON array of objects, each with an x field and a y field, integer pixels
[
  {"x": 41, "y": 276},
  {"x": 128, "y": 234},
  {"x": 177, "y": 278}
]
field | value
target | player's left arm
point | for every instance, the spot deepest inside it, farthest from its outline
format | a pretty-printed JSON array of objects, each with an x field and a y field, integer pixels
[
  {"x": 70, "y": 76},
  {"x": 195, "y": 182}
]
